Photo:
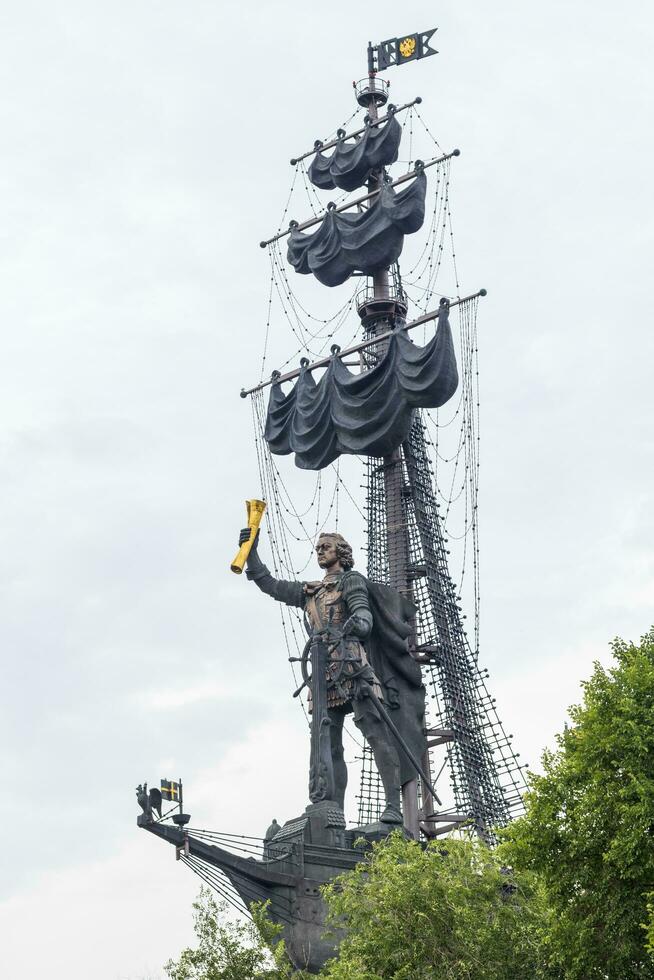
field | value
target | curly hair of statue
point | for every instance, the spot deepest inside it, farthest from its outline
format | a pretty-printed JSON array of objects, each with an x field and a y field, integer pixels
[{"x": 343, "y": 548}]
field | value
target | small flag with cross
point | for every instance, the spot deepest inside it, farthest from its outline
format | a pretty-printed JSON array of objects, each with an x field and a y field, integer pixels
[{"x": 169, "y": 790}]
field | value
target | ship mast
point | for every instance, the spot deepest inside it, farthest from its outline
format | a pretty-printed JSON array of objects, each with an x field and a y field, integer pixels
[
  {"x": 409, "y": 500},
  {"x": 379, "y": 313}
]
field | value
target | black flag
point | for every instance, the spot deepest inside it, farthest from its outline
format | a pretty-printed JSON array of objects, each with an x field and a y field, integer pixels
[
  {"x": 410, "y": 47},
  {"x": 169, "y": 790}
]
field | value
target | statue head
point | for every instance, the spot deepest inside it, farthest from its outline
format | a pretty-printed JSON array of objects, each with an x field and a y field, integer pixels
[{"x": 334, "y": 553}]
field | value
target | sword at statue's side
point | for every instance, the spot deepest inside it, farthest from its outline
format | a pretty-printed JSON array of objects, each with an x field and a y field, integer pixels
[{"x": 367, "y": 691}]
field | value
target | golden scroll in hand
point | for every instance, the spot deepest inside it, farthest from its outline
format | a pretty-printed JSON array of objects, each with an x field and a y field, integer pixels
[{"x": 255, "y": 510}]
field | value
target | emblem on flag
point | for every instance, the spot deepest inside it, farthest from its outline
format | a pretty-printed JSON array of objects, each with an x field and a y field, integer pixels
[{"x": 407, "y": 47}]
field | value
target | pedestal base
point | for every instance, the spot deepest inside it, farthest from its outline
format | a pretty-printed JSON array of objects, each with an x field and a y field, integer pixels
[{"x": 327, "y": 850}]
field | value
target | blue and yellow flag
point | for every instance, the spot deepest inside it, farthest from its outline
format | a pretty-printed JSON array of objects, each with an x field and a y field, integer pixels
[{"x": 169, "y": 790}]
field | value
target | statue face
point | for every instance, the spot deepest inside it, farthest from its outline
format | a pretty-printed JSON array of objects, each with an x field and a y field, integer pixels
[{"x": 326, "y": 553}]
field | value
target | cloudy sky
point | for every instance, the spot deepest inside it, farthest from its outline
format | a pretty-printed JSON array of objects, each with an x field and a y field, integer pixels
[{"x": 145, "y": 152}]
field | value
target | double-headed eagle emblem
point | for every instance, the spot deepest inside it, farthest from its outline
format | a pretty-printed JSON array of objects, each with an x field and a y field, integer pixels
[{"x": 407, "y": 46}]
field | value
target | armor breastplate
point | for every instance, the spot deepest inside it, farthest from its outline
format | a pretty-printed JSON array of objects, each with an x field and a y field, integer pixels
[{"x": 325, "y": 606}]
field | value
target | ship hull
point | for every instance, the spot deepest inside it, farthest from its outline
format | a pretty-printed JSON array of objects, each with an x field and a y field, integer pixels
[{"x": 308, "y": 852}]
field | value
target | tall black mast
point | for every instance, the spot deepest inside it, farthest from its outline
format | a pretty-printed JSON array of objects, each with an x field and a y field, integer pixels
[
  {"x": 379, "y": 312},
  {"x": 404, "y": 502}
]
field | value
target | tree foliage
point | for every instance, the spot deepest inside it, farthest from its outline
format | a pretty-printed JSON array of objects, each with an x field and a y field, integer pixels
[
  {"x": 649, "y": 925},
  {"x": 447, "y": 912},
  {"x": 589, "y": 828},
  {"x": 568, "y": 895},
  {"x": 231, "y": 950}
]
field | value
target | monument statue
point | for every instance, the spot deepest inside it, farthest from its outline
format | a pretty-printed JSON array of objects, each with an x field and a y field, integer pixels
[
  {"x": 361, "y": 665},
  {"x": 367, "y": 643}
]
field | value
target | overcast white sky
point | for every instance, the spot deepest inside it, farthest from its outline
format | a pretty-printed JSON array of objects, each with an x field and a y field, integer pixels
[{"x": 145, "y": 152}]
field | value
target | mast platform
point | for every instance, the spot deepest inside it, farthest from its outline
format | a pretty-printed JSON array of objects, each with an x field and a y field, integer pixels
[
  {"x": 372, "y": 89},
  {"x": 372, "y": 307}
]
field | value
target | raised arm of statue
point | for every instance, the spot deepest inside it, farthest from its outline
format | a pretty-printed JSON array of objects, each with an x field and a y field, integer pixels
[{"x": 290, "y": 593}]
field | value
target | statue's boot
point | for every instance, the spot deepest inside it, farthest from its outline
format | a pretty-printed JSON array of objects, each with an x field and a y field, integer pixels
[
  {"x": 391, "y": 815},
  {"x": 388, "y": 766}
]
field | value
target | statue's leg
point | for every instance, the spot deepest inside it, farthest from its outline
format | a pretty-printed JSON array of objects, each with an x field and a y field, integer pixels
[
  {"x": 337, "y": 717},
  {"x": 380, "y": 740}
]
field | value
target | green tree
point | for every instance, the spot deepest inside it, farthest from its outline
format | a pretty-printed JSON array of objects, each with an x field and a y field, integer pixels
[
  {"x": 649, "y": 925},
  {"x": 588, "y": 832},
  {"x": 229, "y": 950},
  {"x": 446, "y": 912}
]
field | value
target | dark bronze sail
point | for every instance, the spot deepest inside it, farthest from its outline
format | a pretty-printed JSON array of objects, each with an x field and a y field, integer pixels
[
  {"x": 366, "y": 414},
  {"x": 350, "y": 164},
  {"x": 360, "y": 242}
]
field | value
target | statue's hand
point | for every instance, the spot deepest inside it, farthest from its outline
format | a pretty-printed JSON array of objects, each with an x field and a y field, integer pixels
[
  {"x": 356, "y": 626},
  {"x": 245, "y": 536},
  {"x": 346, "y": 629}
]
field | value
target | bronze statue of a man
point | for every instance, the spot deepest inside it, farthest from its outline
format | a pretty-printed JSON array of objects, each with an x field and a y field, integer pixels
[{"x": 365, "y": 627}]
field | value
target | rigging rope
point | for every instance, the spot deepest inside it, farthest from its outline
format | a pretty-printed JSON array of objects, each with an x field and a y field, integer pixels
[{"x": 282, "y": 515}]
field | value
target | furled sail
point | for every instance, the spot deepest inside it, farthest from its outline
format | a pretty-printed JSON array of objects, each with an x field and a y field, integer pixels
[
  {"x": 365, "y": 241},
  {"x": 349, "y": 166},
  {"x": 367, "y": 414}
]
